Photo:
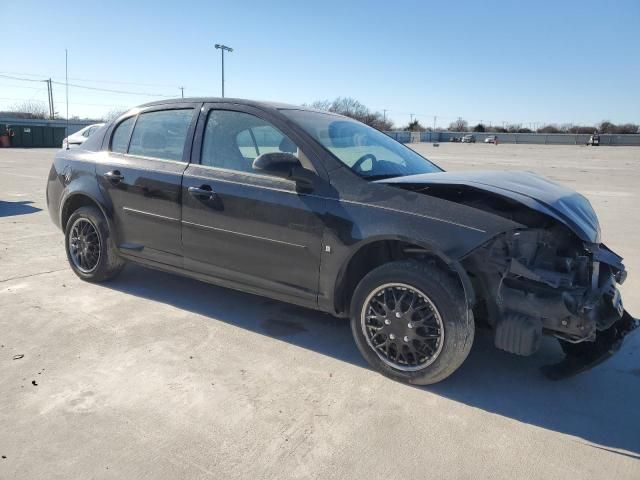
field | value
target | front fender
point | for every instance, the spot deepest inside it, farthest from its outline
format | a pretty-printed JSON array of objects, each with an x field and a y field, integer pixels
[
  {"x": 421, "y": 245},
  {"x": 353, "y": 226}
]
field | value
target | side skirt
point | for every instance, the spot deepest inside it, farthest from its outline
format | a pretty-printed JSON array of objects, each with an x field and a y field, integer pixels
[{"x": 242, "y": 287}]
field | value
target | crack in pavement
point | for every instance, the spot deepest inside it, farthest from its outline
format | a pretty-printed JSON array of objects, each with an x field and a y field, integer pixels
[{"x": 31, "y": 275}]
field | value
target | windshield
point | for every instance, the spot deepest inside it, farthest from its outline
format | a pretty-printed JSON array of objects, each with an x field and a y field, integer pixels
[{"x": 365, "y": 150}]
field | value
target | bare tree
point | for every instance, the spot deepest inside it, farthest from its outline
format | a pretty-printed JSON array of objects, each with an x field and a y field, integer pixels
[
  {"x": 549, "y": 129},
  {"x": 350, "y": 107},
  {"x": 582, "y": 129},
  {"x": 459, "y": 125},
  {"x": 321, "y": 105},
  {"x": 627, "y": 128},
  {"x": 29, "y": 109},
  {"x": 112, "y": 114}
]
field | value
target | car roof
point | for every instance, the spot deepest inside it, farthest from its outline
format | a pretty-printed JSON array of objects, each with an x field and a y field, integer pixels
[{"x": 237, "y": 101}]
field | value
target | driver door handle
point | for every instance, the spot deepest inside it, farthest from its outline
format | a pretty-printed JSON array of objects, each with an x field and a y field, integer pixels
[
  {"x": 204, "y": 192},
  {"x": 114, "y": 175}
]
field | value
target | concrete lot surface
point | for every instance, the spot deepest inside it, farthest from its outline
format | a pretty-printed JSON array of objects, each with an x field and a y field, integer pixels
[{"x": 154, "y": 376}]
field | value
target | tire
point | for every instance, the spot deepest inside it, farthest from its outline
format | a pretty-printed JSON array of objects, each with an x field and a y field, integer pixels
[
  {"x": 438, "y": 294},
  {"x": 101, "y": 261}
]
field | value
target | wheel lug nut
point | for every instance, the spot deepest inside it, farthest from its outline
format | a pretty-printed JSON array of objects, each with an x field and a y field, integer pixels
[
  {"x": 392, "y": 336},
  {"x": 406, "y": 339},
  {"x": 398, "y": 314},
  {"x": 409, "y": 325},
  {"x": 387, "y": 321}
]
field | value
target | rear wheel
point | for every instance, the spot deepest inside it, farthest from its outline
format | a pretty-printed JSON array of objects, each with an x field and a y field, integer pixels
[
  {"x": 411, "y": 322},
  {"x": 90, "y": 249}
]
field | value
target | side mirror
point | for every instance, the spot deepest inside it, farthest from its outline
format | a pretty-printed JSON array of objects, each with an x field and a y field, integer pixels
[
  {"x": 279, "y": 164},
  {"x": 285, "y": 165}
]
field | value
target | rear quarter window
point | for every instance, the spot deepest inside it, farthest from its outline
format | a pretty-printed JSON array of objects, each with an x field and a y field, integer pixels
[
  {"x": 121, "y": 135},
  {"x": 94, "y": 142}
]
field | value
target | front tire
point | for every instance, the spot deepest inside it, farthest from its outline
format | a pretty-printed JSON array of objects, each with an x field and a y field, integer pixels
[
  {"x": 90, "y": 249},
  {"x": 411, "y": 322}
]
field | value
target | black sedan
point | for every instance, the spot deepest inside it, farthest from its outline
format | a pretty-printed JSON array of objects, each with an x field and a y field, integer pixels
[{"x": 322, "y": 211}]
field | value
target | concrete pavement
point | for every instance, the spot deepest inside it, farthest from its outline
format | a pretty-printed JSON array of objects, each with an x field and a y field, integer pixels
[{"x": 160, "y": 377}]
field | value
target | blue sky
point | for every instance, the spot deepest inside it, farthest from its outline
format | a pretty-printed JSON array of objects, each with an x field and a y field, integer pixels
[{"x": 523, "y": 62}]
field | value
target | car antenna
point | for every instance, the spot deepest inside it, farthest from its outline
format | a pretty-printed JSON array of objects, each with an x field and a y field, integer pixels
[{"x": 66, "y": 84}]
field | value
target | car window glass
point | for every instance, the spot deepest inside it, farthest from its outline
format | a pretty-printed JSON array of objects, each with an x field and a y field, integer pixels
[
  {"x": 121, "y": 135},
  {"x": 365, "y": 150},
  {"x": 233, "y": 140},
  {"x": 246, "y": 144},
  {"x": 161, "y": 134}
]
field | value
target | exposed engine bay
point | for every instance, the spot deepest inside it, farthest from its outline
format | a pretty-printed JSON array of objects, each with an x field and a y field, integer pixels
[{"x": 540, "y": 280}]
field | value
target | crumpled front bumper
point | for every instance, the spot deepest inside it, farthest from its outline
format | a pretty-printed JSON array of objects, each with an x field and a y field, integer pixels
[{"x": 580, "y": 357}]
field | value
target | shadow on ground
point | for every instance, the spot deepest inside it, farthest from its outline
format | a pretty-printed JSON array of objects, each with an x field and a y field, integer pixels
[
  {"x": 10, "y": 209},
  {"x": 598, "y": 407}
]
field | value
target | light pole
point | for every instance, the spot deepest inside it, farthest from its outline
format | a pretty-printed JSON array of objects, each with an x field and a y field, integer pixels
[{"x": 222, "y": 48}]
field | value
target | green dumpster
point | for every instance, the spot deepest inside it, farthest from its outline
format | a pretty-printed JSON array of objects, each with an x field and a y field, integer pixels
[{"x": 36, "y": 136}]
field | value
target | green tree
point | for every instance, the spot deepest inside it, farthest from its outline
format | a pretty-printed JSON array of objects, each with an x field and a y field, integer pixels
[{"x": 415, "y": 127}]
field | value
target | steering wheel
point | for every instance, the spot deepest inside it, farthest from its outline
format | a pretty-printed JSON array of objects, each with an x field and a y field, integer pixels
[{"x": 356, "y": 166}]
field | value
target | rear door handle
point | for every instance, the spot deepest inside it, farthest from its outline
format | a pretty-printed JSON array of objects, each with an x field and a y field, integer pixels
[
  {"x": 203, "y": 192},
  {"x": 114, "y": 175}
]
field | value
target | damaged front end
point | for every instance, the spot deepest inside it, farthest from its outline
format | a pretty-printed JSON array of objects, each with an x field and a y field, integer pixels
[
  {"x": 546, "y": 281},
  {"x": 551, "y": 276}
]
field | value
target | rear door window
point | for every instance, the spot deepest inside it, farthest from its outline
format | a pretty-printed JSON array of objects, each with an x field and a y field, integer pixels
[{"x": 161, "y": 134}]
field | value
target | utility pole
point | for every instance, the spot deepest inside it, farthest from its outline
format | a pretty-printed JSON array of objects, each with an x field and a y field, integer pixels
[
  {"x": 53, "y": 107},
  {"x": 384, "y": 115},
  {"x": 435, "y": 117},
  {"x": 182, "y": 91},
  {"x": 50, "y": 97},
  {"x": 411, "y": 116},
  {"x": 222, "y": 49},
  {"x": 66, "y": 87}
]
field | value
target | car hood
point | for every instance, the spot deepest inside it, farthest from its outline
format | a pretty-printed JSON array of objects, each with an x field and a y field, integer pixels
[{"x": 529, "y": 189}]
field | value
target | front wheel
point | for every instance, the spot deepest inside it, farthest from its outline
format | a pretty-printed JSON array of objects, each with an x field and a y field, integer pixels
[
  {"x": 411, "y": 322},
  {"x": 90, "y": 250}
]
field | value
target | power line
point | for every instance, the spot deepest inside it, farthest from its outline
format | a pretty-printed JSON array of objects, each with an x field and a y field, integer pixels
[
  {"x": 115, "y": 82},
  {"x": 61, "y": 102},
  {"x": 10, "y": 77},
  {"x": 85, "y": 87},
  {"x": 21, "y": 86},
  {"x": 123, "y": 92}
]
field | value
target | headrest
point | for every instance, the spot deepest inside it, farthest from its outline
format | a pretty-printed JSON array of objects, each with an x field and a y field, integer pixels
[{"x": 286, "y": 145}]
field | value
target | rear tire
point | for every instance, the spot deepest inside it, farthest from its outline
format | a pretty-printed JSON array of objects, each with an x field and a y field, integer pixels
[
  {"x": 90, "y": 249},
  {"x": 411, "y": 322}
]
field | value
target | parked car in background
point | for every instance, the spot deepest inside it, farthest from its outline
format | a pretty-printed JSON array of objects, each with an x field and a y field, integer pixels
[
  {"x": 322, "y": 211},
  {"x": 80, "y": 136},
  {"x": 491, "y": 139},
  {"x": 468, "y": 139}
]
